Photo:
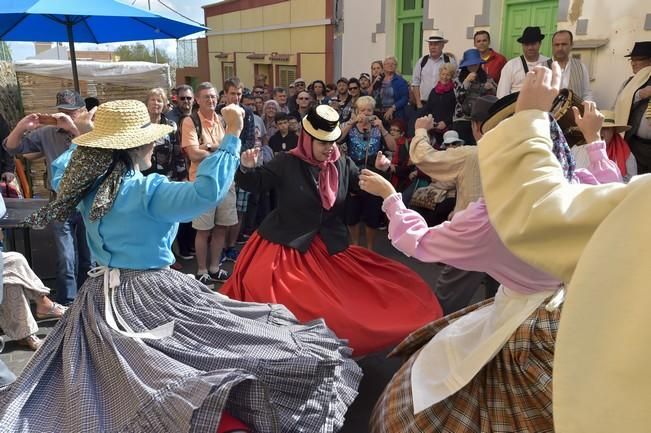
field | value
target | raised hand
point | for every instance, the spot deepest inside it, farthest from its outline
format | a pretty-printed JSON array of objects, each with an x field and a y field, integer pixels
[
  {"x": 249, "y": 158},
  {"x": 29, "y": 122},
  {"x": 539, "y": 89},
  {"x": 591, "y": 121},
  {"x": 66, "y": 123},
  {"x": 375, "y": 184},
  {"x": 233, "y": 115},
  {"x": 382, "y": 163},
  {"x": 426, "y": 122},
  {"x": 84, "y": 121}
]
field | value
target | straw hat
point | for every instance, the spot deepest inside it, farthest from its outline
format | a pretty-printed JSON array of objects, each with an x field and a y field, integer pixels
[
  {"x": 122, "y": 124},
  {"x": 322, "y": 123},
  {"x": 609, "y": 122},
  {"x": 436, "y": 36}
]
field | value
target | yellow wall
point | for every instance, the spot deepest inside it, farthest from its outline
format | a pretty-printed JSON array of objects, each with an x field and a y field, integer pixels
[
  {"x": 312, "y": 67},
  {"x": 294, "y": 41}
]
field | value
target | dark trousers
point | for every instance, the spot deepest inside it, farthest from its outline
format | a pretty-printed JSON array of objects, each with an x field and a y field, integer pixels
[
  {"x": 464, "y": 128},
  {"x": 185, "y": 239}
]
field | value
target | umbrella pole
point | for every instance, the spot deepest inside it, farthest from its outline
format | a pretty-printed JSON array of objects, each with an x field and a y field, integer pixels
[{"x": 73, "y": 55}]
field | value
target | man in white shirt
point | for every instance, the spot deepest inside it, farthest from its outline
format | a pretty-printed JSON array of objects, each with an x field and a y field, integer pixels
[
  {"x": 516, "y": 69},
  {"x": 426, "y": 70},
  {"x": 574, "y": 73}
]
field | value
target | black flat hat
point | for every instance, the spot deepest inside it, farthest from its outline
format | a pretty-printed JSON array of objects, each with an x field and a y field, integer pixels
[
  {"x": 530, "y": 35},
  {"x": 640, "y": 49}
]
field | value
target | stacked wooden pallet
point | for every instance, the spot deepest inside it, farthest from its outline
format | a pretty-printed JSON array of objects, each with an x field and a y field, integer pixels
[{"x": 39, "y": 96}]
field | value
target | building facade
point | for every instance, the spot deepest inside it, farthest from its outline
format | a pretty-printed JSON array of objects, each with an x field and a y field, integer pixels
[
  {"x": 281, "y": 39},
  {"x": 604, "y": 32}
]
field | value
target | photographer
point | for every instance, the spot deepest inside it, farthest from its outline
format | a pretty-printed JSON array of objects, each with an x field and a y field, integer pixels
[
  {"x": 51, "y": 135},
  {"x": 364, "y": 136}
]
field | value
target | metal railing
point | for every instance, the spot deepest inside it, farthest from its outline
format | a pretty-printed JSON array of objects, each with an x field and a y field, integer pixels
[{"x": 186, "y": 53}]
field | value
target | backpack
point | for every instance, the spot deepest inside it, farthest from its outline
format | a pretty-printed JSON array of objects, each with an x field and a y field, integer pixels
[
  {"x": 423, "y": 61},
  {"x": 197, "y": 126}
]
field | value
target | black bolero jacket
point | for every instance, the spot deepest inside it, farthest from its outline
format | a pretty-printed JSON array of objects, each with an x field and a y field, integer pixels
[{"x": 299, "y": 216}]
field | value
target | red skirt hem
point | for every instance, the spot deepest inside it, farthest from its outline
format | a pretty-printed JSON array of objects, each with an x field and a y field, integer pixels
[{"x": 371, "y": 301}]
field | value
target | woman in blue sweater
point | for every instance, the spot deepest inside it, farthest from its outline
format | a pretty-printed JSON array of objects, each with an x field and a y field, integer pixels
[
  {"x": 391, "y": 92},
  {"x": 147, "y": 349}
]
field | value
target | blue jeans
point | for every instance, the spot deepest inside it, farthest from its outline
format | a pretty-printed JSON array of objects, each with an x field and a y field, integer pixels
[{"x": 73, "y": 257}]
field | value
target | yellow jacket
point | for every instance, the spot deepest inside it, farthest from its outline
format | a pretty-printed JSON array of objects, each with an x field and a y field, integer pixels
[{"x": 599, "y": 239}]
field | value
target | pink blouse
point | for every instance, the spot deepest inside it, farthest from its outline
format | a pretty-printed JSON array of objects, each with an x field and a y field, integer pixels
[{"x": 470, "y": 242}]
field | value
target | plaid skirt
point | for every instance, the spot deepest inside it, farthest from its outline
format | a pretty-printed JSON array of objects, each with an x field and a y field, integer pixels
[
  {"x": 254, "y": 360},
  {"x": 512, "y": 393}
]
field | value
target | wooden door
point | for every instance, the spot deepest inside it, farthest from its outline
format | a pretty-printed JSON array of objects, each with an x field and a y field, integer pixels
[
  {"x": 409, "y": 35},
  {"x": 519, "y": 14}
]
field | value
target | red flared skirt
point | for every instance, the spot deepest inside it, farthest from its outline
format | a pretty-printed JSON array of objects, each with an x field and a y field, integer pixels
[{"x": 371, "y": 301}]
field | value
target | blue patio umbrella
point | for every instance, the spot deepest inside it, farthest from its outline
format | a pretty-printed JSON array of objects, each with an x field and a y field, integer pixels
[{"x": 96, "y": 21}]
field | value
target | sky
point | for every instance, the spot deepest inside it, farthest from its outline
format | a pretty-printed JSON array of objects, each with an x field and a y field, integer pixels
[{"x": 189, "y": 8}]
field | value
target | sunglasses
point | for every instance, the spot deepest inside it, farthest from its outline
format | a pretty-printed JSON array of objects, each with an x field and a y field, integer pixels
[
  {"x": 303, "y": 99},
  {"x": 395, "y": 130},
  {"x": 353, "y": 88},
  {"x": 258, "y": 92},
  {"x": 186, "y": 98}
]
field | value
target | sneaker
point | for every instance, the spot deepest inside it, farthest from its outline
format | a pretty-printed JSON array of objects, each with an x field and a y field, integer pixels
[
  {"x": 205, "y": 279},
  {"x": 230, "y": 254},
  {"x": 220, "y": 276},
  {"x": 186, "y": 256}
]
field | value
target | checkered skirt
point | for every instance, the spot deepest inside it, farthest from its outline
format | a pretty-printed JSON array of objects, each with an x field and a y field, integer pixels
[
  {"x": 255, "y": 360},
  {"x": 512, "y": 393}
]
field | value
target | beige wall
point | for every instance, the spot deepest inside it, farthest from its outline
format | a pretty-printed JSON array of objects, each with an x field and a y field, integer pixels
[
  {"x": 309, "y": 42},
  {"x": 620, "y": 22},
  {"x": 360, "y": 19}
]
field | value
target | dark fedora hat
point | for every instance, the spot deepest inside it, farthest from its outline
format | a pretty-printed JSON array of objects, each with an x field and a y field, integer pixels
[
  {"x": 502, "y": 109},
  {"x": 640, "y": 49},
  {"x": 481, "y": 107},
  {"x": 530, "y": 35}
]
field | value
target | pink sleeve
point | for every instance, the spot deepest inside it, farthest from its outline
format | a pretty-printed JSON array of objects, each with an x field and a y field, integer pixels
[
  {"x": 602, "y": 169},
  {"x": 468, "y": 242},
  {"x": 462, "y": 242}
]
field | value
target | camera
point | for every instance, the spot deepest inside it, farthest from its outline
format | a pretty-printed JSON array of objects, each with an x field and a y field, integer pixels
[{"x": 371, "y": 118}]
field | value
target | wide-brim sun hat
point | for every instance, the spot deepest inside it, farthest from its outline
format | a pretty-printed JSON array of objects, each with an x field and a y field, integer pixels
[
  {"x": 471, "y": 57},
  {"x": 609, "y": 122},
  {"x": 122, "y": 124},
  {"x": 322, "y": 123}
]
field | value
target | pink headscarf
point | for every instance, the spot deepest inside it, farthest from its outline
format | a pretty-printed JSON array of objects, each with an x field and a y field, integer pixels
[{"x": 328, "y": 176}]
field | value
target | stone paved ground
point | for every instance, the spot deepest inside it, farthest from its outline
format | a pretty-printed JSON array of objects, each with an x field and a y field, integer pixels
[{"x": 377, "y": 369}]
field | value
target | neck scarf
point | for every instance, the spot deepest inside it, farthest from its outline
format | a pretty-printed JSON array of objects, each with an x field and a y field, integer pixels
[
  {"x": 618, "y": 152},
  {"x": 444, "y": 88},
  {"x": 87, "y": 166},
  {"x": 328, "y": 176},
  {"x": 561, "y": 149}
]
